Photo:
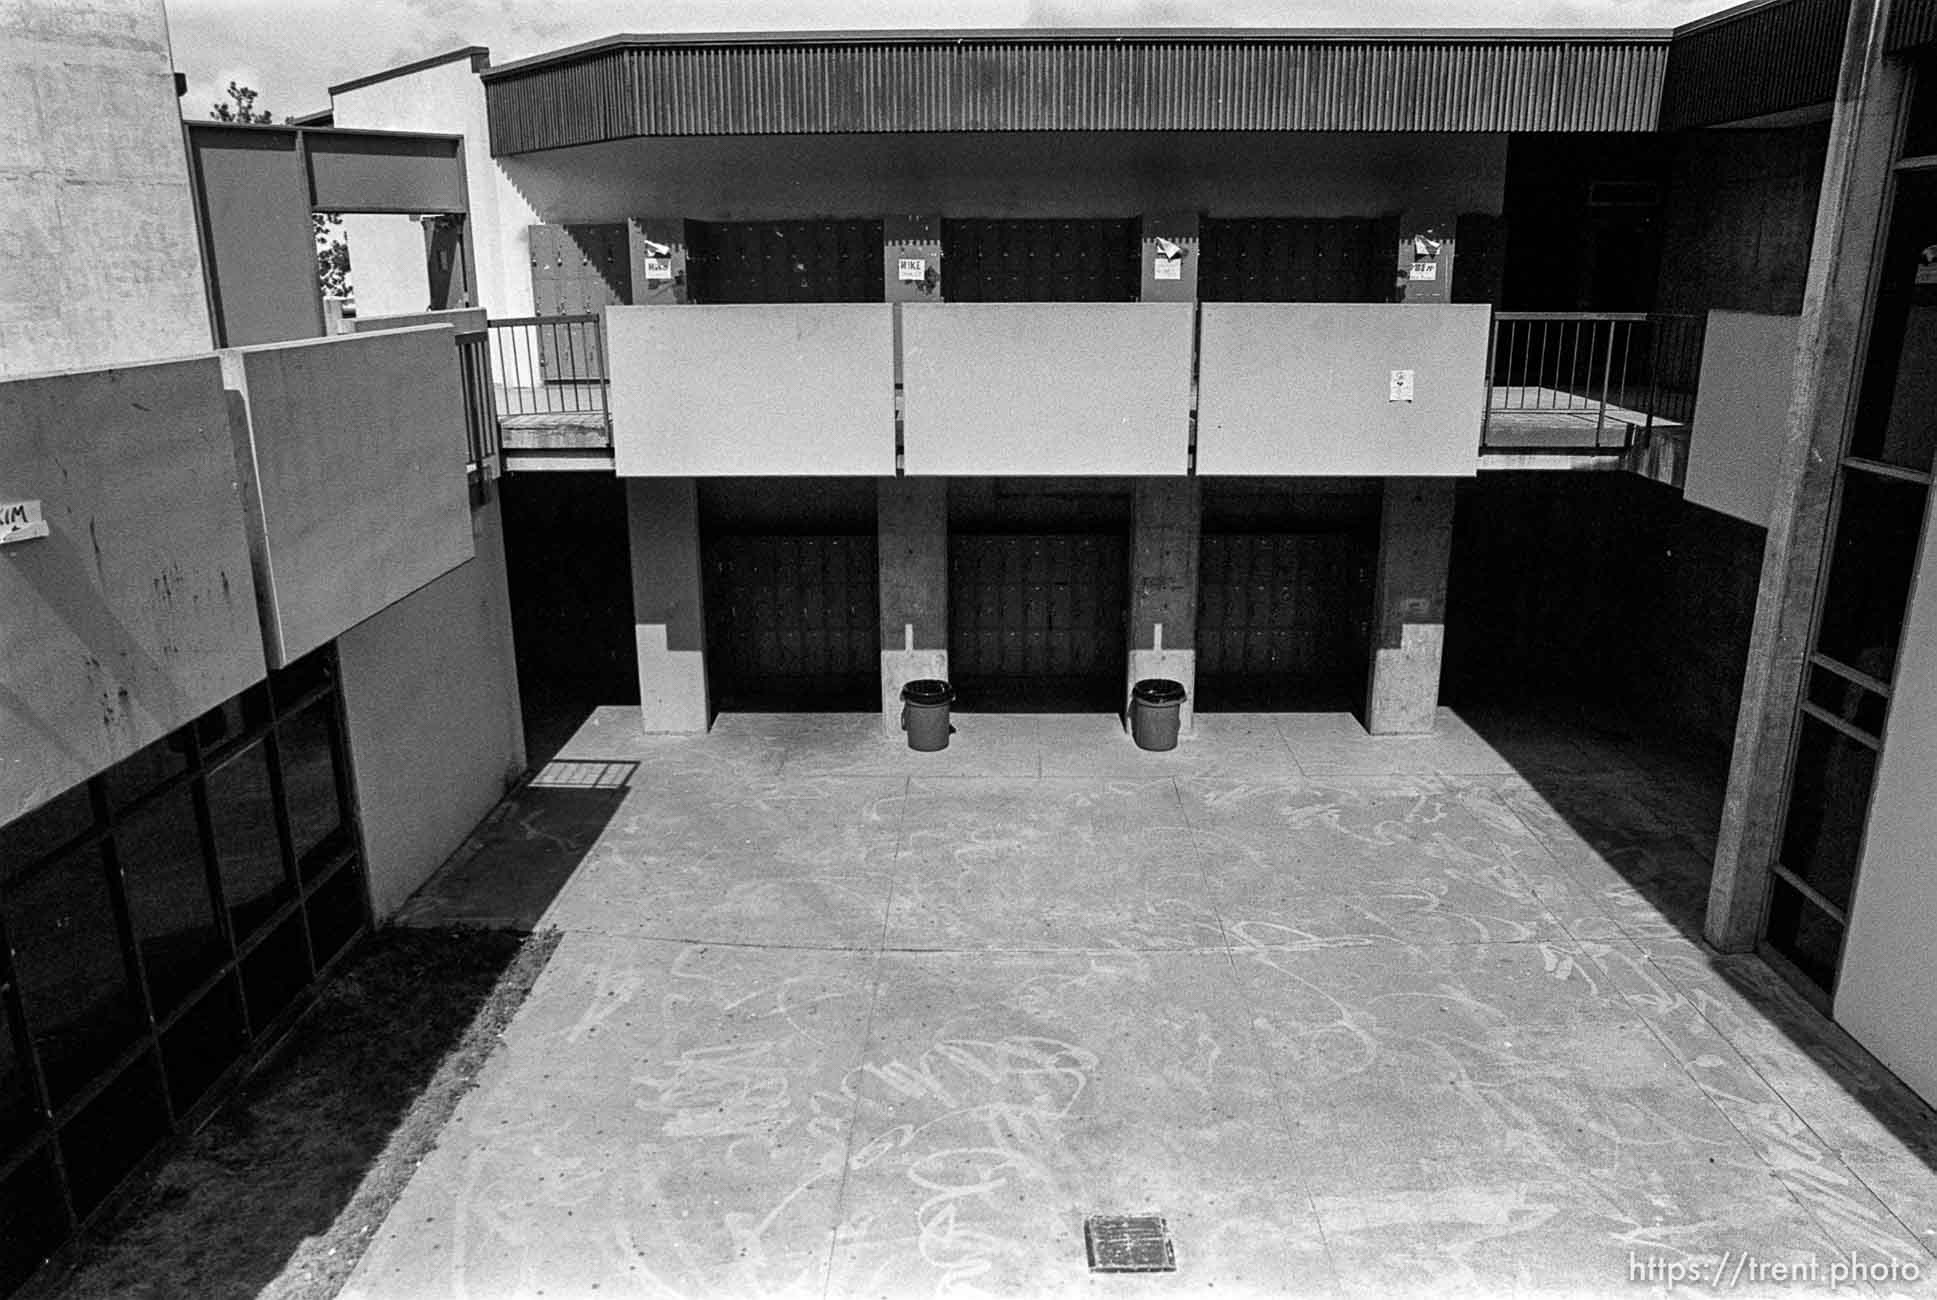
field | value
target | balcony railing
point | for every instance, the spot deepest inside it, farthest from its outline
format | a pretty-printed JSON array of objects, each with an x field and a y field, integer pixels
[
  {"x": 481, "y": 434},
  {"x": 550, "y": 381},
  {"x": 1587, "y": 383}
]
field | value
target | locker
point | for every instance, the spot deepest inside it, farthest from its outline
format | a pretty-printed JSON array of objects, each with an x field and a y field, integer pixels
[
  {"x": 1298, "y": 259},
  {"x": 792, "y": 622},
  {"x": 1031, "y": 260},
  {"x": 1283, "y": 619},
  {"x": 785, "y": 261},
  {"x": 1038, "y": 620}
]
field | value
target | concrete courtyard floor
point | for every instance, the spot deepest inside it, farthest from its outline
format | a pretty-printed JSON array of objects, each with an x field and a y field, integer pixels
[{"x": 1354, "y": 1016}]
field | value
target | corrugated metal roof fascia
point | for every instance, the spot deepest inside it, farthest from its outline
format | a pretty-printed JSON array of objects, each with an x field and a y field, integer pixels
[
  {"x": 1763, "y": 60},
  {"x": 1912, "y": 23},
  {"x": 1068, "y": 85}
]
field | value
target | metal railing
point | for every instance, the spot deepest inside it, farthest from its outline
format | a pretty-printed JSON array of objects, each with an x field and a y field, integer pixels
[
  {"x": 483, "y": 441},
  {"x": 550, "y": 365},
  {"x": 1572, "y": 383}
]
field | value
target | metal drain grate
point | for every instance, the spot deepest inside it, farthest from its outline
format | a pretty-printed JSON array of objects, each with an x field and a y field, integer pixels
[{"x": 1134, "y": 1243}]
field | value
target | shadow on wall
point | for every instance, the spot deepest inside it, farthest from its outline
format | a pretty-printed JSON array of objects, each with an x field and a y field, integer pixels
[{"x": 286, "y": 1185}]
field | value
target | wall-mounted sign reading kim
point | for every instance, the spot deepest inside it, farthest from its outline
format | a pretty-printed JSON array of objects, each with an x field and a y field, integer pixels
[{"x": 21, "y": 521}]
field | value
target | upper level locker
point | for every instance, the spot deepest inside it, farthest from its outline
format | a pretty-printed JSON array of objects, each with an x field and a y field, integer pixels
[
  {"x": 1057, "y": 260},
  {"x": 784, "y": 261}
]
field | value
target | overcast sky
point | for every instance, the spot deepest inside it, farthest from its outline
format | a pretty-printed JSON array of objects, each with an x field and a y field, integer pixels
[{"x": 293, "y": 50}]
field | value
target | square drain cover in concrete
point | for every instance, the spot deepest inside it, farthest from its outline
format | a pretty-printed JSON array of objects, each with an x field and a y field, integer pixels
[{"x": 1138, "y": 1243}]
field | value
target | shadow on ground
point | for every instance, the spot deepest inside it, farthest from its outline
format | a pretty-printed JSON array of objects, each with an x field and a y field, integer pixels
[
  {"x": 1649, "y": 805},
  {"x": 280, "y": 1192}
]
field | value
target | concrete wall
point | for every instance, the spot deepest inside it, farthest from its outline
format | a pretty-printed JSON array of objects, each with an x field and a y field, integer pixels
[
  {"x": 1741, "y": 414},
  {"x": 352, "y": 462},
  {"x": 787, "y": 388},
  {"x": 1604, "y": 587},
  {"x": 1739, "y": 216},
  {"x": 430, "y": 695},
  {"x": 1888, "y": 984},
  {"x": 1016, "y": 174},
  {"x": 1046, "y": 388},
  {"x": 99, "y": 262},
  {"x": 136, "y": 613},
  {"x": 447, "y": 98},
  {"x": 1305, "y": 389}
]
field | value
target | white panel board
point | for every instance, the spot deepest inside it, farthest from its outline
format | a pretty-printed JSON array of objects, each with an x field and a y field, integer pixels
[
  {"x": 1047, "y": 388},
  {"x": 1741, "y": 413},
  {"x": 1309, "y": 388},
  {"x": 1888, "y": 983},
  {"x": 772, "y": 388},
  {"x": 353, "y": 467}
]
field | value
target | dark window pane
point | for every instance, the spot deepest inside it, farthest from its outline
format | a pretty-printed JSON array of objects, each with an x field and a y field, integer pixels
[
  {"x": 67, "y": 956},
  {"x": 242, "y": 810},
  {"x": 32, "y": 1222},
  {"x": 292, "y": 683},
  {"x": 207, "y": 1040},
  {"x": 233, "y": 723},
  {"x": 335, "y": 912},
  {"x": 1837, "y": 695},
  {"x": 113, "y": 1132},
  {"x": 166, "y": 873},
  {"x": 1829, "y": 799},
  {"x": 1808, "y": 936},
  {"x": 307, "y": 745},
  {"x": 275, "y": 973},
  {"x": 1920, "y": 128},
  {"x": 135, "y": 776},
  {"x": 1897, "y": 415},
  {"x": 1877, "y": 532},
  {"x": 17, "y": 1110},
  {"x": 45, "y": 829}
]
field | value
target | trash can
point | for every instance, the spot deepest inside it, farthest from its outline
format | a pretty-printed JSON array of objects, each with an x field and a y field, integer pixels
[
  {"x": 924, "y": 713},
  {"x": 1154, "y": 704}
]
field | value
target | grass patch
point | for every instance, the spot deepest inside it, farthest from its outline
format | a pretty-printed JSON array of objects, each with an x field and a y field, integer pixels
[{"x": 282, "y": 1190}]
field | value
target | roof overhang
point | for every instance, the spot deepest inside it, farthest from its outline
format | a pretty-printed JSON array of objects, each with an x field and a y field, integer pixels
[{"x": 1081, "y": 80}]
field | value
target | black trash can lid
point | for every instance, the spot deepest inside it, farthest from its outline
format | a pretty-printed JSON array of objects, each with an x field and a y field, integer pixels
[
  {"x": 927, "y": 690},
  {"x": 1158, "y": 690}
]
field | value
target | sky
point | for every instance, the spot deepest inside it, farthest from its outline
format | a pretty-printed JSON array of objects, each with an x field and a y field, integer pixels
[{"x": 291, "y": 51}]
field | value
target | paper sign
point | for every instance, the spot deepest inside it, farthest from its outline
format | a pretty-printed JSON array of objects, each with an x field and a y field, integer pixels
[
  {"x": 20, "y": 521},
  {"x": 659, "y": 268},
  {"x": 1423, "y": 271},
  {"x": 911, "y": 270},
  {"x": 1401, "y": 390},
  {"x": 1169, "y": 269}
]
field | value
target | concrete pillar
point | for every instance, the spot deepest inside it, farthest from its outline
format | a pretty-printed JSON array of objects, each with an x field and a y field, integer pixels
[
  {"x": 1425, "y": 264},
  {"x": 912, "y": 550},
  {"x": 911, "y": 251},
  {"x": 1169, "y": 250},
  {"x": 656, "y": 248},
  {"x": 668, "y": 609},
  {"x": 1836, "y": 297},
  {"x": 1409, "y": 605},
  {"x": 1165, "y": 518}
]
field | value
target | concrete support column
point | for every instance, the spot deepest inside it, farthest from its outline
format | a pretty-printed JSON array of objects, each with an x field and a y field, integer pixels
[
  {"x": 912, "y": 550},
  {"x": 1169, "y": 250},
  {"x": 668, "y": 609},
  {"x": 1409, "y": 605},
  {"x": 1165, "y": 521},
  {"x": 1425, "y": 264},
  {"x": 1850, "y": 214}
]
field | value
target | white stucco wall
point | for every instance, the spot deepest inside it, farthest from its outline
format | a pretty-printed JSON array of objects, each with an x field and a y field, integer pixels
[
  {"x": 430, "y": 695},
  {"x": 1888, "y": 987},
  {"x": 1741, "y": 413},
  {"x": 99, "y": 262},
  {"x": 446, "y": 98}
]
